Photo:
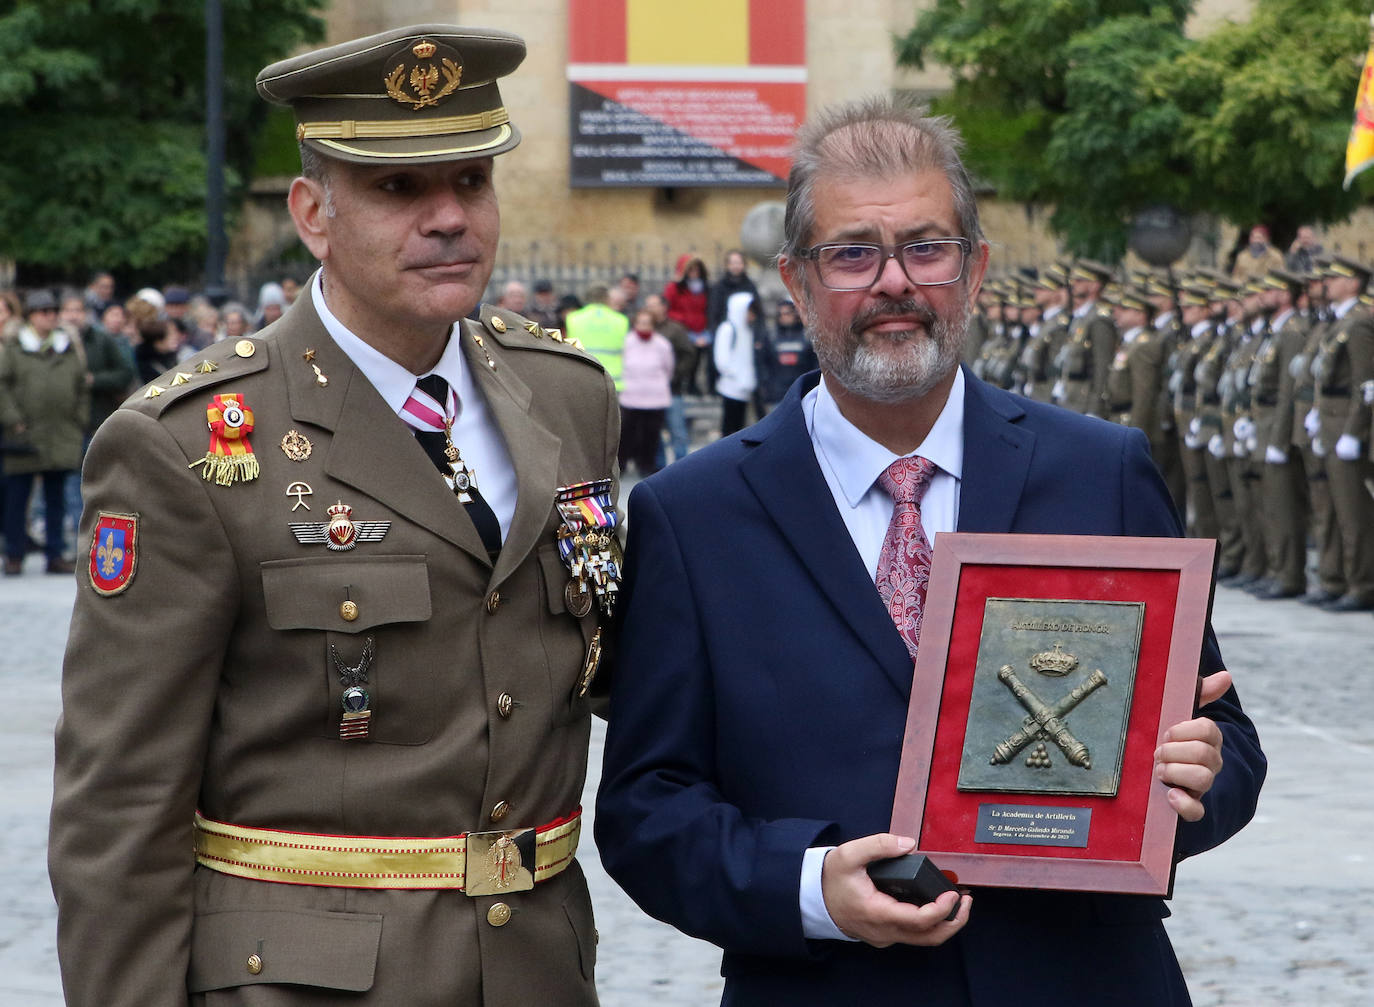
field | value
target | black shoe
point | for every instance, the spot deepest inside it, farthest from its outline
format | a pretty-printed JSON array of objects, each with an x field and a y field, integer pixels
[
  {"x": 1351, "y": 603},
  {"x": 1259, "y": 587},
  {"x": 1240, "y": 580},
  {"x": 13, "y": 567},
  {"x": 1225, "y": 573},
  {"x": 61, "y": 566},
  {"x": 1276, "y": 591},
  {"x": 1319, "y": 598}
]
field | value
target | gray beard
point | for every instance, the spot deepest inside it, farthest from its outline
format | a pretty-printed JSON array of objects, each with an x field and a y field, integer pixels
[{"x": 865, "y": 366}]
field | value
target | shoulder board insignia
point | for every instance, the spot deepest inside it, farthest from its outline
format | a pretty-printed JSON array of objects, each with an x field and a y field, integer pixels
[{"x": 221, "y": 362}]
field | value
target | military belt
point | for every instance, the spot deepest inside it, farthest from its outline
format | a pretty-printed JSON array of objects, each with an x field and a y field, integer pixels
[
  {"x": 478, "y": 863},
  {"x": 1340, "y": 390}
]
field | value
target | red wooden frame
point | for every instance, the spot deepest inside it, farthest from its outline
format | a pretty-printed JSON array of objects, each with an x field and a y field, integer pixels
[{"x": 1174, "y": 577}]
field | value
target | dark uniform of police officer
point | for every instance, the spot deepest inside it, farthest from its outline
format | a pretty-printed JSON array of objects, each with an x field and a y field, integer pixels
[{"x": 324, "y": 740}]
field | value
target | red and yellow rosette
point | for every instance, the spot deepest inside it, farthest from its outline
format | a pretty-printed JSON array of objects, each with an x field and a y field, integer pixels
[{"x": 230, "y": 458}]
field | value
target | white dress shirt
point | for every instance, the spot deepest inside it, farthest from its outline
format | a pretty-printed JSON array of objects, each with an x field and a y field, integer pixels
[
  {"x": 851, "y": 462},
  {"x": 475, "y": 432}
]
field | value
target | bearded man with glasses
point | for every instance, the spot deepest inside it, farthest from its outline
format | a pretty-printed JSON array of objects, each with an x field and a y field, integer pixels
[{"x": 766, "y": 658}]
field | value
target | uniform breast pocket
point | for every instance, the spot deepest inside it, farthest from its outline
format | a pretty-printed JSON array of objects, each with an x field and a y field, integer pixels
[
  {"x": 567, "y": 635},
  {"x": 360, "y": 628},
  {"x": 1076, "y": 360}
]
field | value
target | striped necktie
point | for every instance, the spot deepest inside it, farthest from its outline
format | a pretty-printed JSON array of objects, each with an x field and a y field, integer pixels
[{"x": 430, "y": 411}]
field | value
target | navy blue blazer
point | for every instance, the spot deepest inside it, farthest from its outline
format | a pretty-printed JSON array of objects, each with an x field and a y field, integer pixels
[{"x": 761, "y": 696}]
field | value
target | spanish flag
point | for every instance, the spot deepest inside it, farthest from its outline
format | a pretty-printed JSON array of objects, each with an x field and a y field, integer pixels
[{"x": 1359, "y": 152}]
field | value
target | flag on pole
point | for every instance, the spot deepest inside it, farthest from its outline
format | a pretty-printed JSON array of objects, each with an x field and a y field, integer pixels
[{"x": 1359, "y": 151}]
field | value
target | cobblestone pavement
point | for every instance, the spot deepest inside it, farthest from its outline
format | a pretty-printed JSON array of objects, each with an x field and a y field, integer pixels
[{"x": 1278, "y": 916}]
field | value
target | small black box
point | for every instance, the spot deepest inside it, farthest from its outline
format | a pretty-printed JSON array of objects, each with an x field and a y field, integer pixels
[{"x": 912, "y": 878}]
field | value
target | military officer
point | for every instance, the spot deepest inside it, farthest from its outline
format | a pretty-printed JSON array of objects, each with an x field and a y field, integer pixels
[
  {"x": 1184, "y": 397},
  {"x": 1085, "y": 359},
  {"x": 1238, "y": 434},
  {"x": 1165, "y": 445},
  {"x": 1344, "y": 362},
  {"x": 1051, "y": 294},
  {"x": 325, "y": 720},
  {"x": 1283, "y": 490},
  {"x": 1208, "y": 374},
  {"x": 1133, "y": 381}
]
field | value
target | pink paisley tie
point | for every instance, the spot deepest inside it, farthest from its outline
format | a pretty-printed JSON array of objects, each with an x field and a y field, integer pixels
[{"x": 904, "y": 563}]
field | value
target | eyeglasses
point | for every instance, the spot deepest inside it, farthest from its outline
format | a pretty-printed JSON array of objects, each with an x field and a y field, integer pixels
[{"x": 930, "y": 262}]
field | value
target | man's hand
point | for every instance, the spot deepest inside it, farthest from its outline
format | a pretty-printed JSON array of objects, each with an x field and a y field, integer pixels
[
  {"x": 861, "y": 911},
  {"x": 1189, "y": 758}
]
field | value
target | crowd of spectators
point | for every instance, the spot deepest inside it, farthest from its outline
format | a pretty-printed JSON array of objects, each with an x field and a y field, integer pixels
[{"x": 69, "y": 358}]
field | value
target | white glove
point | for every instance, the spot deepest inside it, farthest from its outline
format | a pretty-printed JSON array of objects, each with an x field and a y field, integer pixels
[
  {"x": 1191, "y": 442},
  {"x": 1057, "y": 392},
  {"x": 1318, "y": 448},
  {"x": 1217, "y": 446},
  {"x": 1243, "y": 428},
  {"x": 1275, "y": 456},
  {"x": 1195, "y": 425},
  {"x": 1251, "y": 444},
  {"x": 1026, "y": 389},
  {"x": 1368, "y": 389},
  {"x": 1348, "y": 448},
  {"x": 1312, "y": 423},
  {"x": 1238, "y": 448}
]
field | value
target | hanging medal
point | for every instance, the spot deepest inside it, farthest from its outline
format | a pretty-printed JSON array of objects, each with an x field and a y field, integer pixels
[
  {"x": 588, "y": 545},
  {"x": 230, "y": 458}
]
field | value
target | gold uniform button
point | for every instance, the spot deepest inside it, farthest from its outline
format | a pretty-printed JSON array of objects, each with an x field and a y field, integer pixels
[
  {"x": 499, "y": 812},
  {"x": 498, "y": 324},
  {"x": 499, "y": 914},
  {"x": 505, "y": 704},
  {"x": 348, "y": 611},
  {"x": 493, "y": 602},
  {"x": 245, "y": 348},
  {"x": 254, "y": 964}
]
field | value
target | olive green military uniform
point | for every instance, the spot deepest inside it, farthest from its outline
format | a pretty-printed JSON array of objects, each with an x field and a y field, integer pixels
[
  {"x": 1037, "y": 356},
  {"x": 1343, "y": 363},
  {"x": 1166, "y": 446},
  {"x": 317, "y": 746},
  {"x": 1183, "y": 388},
  {"x": 1324, "y": 530},
  {"x": 1283, "y": 489},
  {"x": 1238, "y": 437},
  {"x": 1085, "y": 361},
  {"x": 1208, "y": 374},
  {"x": 1134, "y": 380},
  {"x": 210, "y": 683},
  {"x": 977, "y": 334}
]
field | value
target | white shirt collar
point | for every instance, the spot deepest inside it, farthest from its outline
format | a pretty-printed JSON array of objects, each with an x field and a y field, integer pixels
[
  {"x": 1129, "y": 335},
  {"x": 1201, "y": 327},
  {"x": 1051, "y": 311},
  {"x": 393, "y": 382},
  {"x": 1344, "y": 307},
  {"x": 1281, "y": 319},
  {"x": 1084, "y": 308},
  {"x": 857, "y": 460},
  {"x": 1163, "y": 319}
]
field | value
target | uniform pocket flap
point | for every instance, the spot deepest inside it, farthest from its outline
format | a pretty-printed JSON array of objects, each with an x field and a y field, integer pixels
[
  {"x": 311, "y": 593},
  {"x": 336, "y": 951}
]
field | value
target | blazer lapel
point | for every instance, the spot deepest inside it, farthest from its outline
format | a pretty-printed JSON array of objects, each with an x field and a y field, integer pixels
[
  {"x": 371, "y": 448},
  {"x": 997, "y": 456},
  {"x": 534, "y": 450},
  {"x": 783, "y": 473}
]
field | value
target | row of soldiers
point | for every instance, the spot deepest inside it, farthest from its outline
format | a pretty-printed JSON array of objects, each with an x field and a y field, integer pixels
[{"x": 1256, "y": 398}]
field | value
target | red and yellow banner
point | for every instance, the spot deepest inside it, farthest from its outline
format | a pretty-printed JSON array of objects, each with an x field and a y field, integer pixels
[
  {"x": 708, "y": 93},
  {"x": 1359, "y": 151}
]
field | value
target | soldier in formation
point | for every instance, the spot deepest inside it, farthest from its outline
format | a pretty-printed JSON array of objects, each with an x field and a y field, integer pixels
[{"x": 1257, "y": 396}]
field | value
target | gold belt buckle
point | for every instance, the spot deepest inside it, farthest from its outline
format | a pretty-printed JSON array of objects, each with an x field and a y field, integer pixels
[{"x": 499, "y": 862}]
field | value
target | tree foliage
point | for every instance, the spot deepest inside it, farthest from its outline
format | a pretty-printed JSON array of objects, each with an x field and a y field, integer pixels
[
  {"x": 102, "y": 108},
  {"x": 1100, "y": 108}
]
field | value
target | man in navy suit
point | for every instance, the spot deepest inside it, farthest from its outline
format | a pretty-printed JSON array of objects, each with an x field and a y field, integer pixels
[{"x": 762, "y": 686}]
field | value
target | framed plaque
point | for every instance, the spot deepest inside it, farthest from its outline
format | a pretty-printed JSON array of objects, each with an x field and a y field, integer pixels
[{"x": 1049, "y": 668}]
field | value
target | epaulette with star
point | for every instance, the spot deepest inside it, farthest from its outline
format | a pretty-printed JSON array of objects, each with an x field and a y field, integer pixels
[
  {"x": 220, "y": 362},
  {"x": 515, "y": 331}
]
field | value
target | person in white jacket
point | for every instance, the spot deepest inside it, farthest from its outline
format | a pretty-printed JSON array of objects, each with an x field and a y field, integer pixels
[{"x": 734, "y": 356}]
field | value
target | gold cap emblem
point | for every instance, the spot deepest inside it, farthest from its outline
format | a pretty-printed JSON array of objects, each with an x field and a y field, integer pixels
[
  {"x": 424, "y": 49},
  {"x": 417, "y": 83}
]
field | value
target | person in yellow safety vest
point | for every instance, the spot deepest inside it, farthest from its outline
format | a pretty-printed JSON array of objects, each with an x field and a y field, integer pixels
[{"x": 601, "y": 331}]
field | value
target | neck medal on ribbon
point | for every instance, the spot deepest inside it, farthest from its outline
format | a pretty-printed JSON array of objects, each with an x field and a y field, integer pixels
[
  {"x": 588, "y": 545},
  {"x": 230, "y": 458}
]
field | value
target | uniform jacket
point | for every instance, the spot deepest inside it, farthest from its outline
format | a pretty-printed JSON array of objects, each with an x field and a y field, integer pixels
[
  {"x": 209, "y": 683},
  {"x": 44, "y": 390},
  {"x": 761, "y": 698},
  {"x": 1085, "y": 360},
  {"x": 1343, "y": 363}
]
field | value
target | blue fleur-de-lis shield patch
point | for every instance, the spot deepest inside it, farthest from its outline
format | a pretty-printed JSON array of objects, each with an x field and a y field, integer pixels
[{"x": 114, "y": 552}]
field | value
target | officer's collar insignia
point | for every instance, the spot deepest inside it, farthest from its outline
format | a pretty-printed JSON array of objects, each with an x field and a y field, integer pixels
[
  {"x": 230, "y": 458},
  {"x": 588, "y": 545},
  {"x": 341, "y": 532},
  {"x": 418, "y": 72},
  {"x": 114, "y": 553}
]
